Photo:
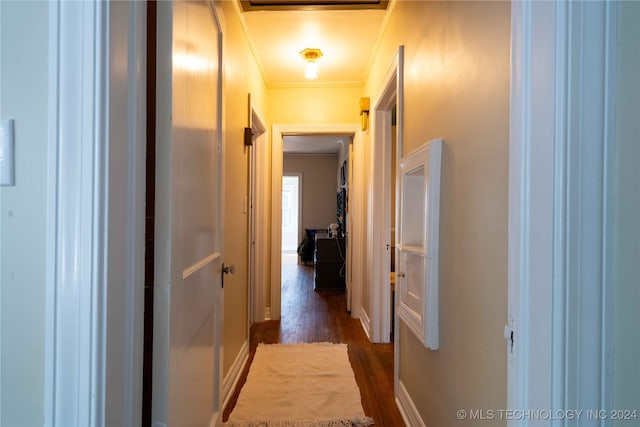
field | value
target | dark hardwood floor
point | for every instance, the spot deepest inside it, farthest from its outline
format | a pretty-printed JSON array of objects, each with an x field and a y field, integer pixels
[{"x": 310, "y": 316}]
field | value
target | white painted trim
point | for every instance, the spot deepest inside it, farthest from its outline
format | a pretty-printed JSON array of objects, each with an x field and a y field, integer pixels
[
  {"x": 350, "y": 233},
  {"x": 380, "y": 220},
  {"x": 95, "y": 237},
  {"x": 591, "y": 42},
  {"x": 77, "y": 197},
  {"x": 260, "y": 215},
  {"x": 558, "y": 296},
  {"x": 166, "y": 268},
  {"x": 613, "y": 32},
  {"x": 277, "y": 134},
  {"x": 230, "y": 381},
  {"x": 125, "y": 308},
  {"x": 358, "y": 220},
  {"x": 561, "y": 122},
  {"x": 379, "y": 258},
  {"x": 424, "y": 323},
  {"x": 276, "y": 221},
  {"x": 407, "y": 408},
  {"x": 527, "y": 255},
  {"x": 267, "y": 313}
]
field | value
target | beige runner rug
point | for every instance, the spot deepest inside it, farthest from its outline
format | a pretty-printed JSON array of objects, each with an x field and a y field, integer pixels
[{"x": 301, "y": 385}]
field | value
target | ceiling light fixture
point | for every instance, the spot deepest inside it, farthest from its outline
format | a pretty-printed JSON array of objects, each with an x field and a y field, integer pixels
[{"x": 310, "y": 55}]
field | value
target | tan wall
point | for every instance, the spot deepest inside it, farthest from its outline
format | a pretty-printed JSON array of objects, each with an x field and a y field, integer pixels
[
  {"x": 314, "y": 105},
  {"x": 318, "y": 187},
  {"x": 241, "y": 77},
  {"x": 457, "y": 87}
]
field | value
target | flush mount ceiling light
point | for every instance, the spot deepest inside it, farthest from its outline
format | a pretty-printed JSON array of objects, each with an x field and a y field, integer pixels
[{"x": 310, "y": 55}]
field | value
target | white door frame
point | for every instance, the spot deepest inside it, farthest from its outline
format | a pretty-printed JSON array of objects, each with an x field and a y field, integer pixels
[
  {"x": 562, "y": 97},
  {"x": 258, "y": 232},
  {"x": 278, "y": 133},
  {"x": 95, "y": 220},
  {"x": 379, "y": 245}
]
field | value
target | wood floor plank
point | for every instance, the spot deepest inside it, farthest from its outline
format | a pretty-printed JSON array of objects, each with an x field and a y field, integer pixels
[{"x": 321, "y": 316}]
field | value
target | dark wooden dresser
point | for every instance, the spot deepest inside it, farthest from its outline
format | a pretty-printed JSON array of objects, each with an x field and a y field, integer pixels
[{"x": 329, "y": 263}]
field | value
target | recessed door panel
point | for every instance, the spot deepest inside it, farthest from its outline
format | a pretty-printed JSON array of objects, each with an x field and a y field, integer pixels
[{"x": 417, "y": 277}]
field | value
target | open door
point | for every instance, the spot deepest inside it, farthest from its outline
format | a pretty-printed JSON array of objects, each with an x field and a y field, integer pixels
[
  {"x": 188, "y": 296},
  {"x": 418, "y": 234}
]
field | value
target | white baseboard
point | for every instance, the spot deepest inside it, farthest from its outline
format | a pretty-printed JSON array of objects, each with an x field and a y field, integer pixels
[
  {"x": 365, "y": 322},
  {"x": 230, "y": 382},
  {"x": 267, "y": 313},
  {"x": 215, "y": 421},
  {"x": 407, "y": 409}
]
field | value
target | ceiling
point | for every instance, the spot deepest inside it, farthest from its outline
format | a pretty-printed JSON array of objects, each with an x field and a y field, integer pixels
[
  {"x": 314, "y": 144},
  {"x": 347, "y": 33}
]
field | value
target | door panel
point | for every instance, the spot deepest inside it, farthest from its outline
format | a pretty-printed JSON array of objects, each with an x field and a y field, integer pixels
[
  {"x": 413, "y": 266},
  {"x": 196, "y": 154},
  {"x": 417, "y": 248},
  {"x": 187, "y": 378}
]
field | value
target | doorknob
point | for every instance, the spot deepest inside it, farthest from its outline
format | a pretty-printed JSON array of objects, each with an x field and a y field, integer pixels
[{"x": 226, "y": 269}]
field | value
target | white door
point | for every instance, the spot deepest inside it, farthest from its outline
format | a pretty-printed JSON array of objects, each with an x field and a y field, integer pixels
[
  {"x": 291, "y": 215},
  {"x": 418, "y": 242},
  {"x": 188, "y": 305}
]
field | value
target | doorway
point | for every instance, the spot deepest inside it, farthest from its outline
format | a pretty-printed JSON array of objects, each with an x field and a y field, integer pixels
[
  {"x": 350, "y": 134},
  {"x": 385, "y": 154},
  {"x": 291, "y": 217},
  {"x": 393, "y": 160},
  {"x": 258, "y": 252}
]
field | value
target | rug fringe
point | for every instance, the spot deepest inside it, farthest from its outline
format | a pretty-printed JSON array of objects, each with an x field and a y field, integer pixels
[
  {"x": 324, "y": 343},
  {"x": 355, "y": 422}
]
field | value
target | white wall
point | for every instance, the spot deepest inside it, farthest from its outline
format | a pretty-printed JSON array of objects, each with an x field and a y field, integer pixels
[
  {"x": 23, "y": 97},
  {"x": 318, "y": 187}
]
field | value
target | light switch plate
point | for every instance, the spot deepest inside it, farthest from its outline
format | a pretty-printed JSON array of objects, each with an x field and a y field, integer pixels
[{"x": 7, "y": 158}]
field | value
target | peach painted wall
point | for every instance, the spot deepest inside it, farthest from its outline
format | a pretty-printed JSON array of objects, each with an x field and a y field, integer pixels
[
  {"x": 241, "y": 77},
  {"x": 457, "y": 64}
]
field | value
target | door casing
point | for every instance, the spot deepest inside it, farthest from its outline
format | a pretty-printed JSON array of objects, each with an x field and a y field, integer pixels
[
  {"x": 278, "y": 133},
  {"x": 95, "y": 214},
  {"x": 557, "y": 207},
  {"x": 391, "y": 94}
]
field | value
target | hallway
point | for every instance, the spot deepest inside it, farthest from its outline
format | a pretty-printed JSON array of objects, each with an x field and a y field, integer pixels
[
  {"x": 309, "y": 316},
  {"x": 128, "y": 169}
]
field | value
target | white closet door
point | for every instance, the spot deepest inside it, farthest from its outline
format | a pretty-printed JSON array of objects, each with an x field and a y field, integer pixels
[{"x": 417, "y": 275}]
